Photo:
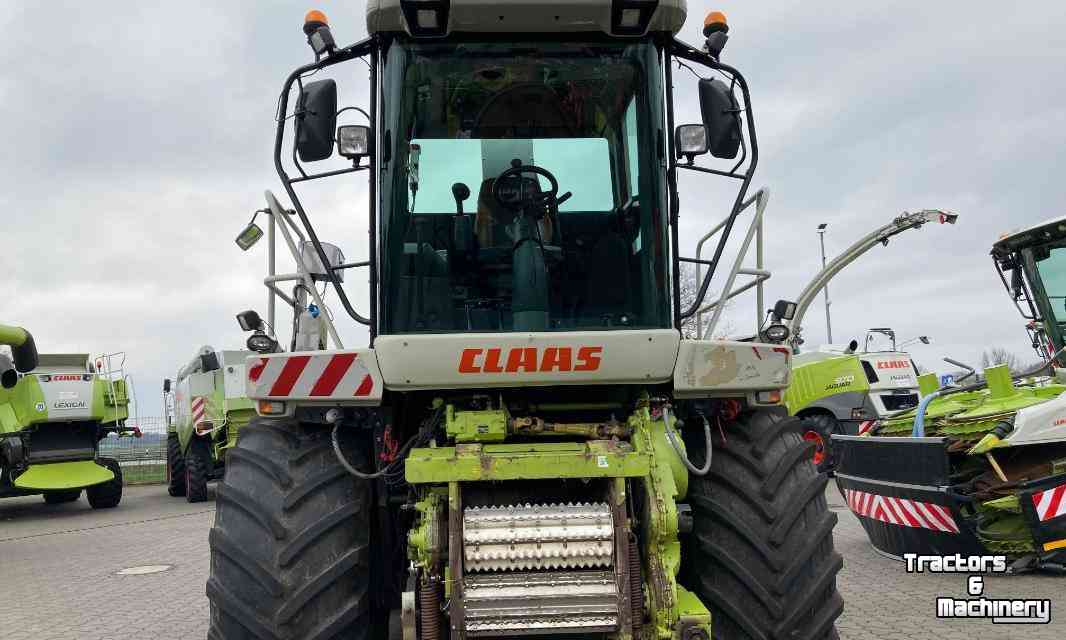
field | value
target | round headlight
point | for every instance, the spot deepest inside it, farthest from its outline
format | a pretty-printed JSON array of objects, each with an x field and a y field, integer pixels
[
  {"x": 262, "y": 343},
  {"x": 776, "y": 333}
]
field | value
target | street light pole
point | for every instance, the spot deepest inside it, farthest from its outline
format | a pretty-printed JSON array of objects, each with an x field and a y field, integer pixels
[{"x": 828, "y": 325}]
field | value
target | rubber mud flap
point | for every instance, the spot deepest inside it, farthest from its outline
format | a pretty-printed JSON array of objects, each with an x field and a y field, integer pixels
[
  {"x": 1044, "y": 508},
  {"x": 898, "y": 488}
]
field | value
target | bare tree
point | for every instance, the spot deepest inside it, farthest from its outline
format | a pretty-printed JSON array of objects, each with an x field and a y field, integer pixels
[
  {"x": 998, "y": 355},
  {"x": 690, "y": 288}
]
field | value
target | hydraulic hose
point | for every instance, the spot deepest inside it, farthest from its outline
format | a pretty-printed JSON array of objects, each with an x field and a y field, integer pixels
[
  {"x": 919, "y": 420},
  {"x": 672, "y": 437},
  {"x": 344, "y": 461}
]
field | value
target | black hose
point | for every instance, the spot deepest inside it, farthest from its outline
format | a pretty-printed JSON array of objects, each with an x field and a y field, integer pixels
[{"x": 670, "y": 435}]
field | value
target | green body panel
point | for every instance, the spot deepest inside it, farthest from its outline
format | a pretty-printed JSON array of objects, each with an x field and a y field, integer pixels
[
  {"x": 813, "y": 381},
  {"x": 648, "y": 456},
  {"x": 63, "y": 475},
  {"x": 478, "y": 462},
  {"x": 476, "y": 426},
  {"x": 24, "y": 404},
  {"x": 226, "y": 414},
  {"x": 663, "y": 488}
]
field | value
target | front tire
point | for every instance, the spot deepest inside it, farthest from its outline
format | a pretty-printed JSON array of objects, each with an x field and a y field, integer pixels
[
  {"x": 60, "y": 497},
  {"x": 198, "y": 464},
  {"x": 175, "y": 466},
  {"x": 761, "y": 552},
  {"x": 106, "y": 494},
  {"x": 290, "y": 545}
]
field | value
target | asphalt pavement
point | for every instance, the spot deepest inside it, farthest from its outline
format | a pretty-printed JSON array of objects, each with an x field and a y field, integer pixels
[{"x": 138, "y": 571}]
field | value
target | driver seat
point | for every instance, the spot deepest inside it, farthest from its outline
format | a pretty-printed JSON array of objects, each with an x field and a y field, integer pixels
[{"x": 493, "y": 219}]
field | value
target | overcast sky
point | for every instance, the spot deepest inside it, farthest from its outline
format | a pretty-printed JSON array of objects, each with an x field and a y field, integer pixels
[{"x": 138, "y": 142}]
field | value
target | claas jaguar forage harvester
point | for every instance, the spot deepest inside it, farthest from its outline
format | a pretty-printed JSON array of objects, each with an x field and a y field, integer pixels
[{"x": 527, "y": 446}]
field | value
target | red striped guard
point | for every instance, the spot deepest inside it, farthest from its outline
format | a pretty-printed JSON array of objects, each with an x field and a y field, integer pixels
[
  {"x": 331, "y": 376},
  {"x": 197, "y": 407},
  {"x": 290, "y": 373},
  {"x": 901, "y": 511},
  {"x": 1050, "y": 503},
  {"x": 318, "y": 376}
]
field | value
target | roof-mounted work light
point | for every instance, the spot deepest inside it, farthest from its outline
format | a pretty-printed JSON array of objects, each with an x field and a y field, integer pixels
[
  {"x": 632, "y": 17},
  {"x": 426, "y": 17},
  {"x": 316, "y": 28}
]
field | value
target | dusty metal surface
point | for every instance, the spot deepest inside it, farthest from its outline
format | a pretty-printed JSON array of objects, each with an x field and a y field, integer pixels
[{"x": 522, "y": 537}]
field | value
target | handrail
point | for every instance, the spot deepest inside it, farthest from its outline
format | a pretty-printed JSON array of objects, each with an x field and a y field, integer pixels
[{"x": 760, "y": 198}]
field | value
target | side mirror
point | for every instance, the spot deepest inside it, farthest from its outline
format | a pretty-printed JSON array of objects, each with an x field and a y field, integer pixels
[
  {"x": 353, "y": 141},
  {"x": 251, "y": 235},
  {"x": 1016, "y": 282},
  {"x": 166, "y": 385},
  {"x": 721, "y": 118},
  {"x": 316, "y": 120},
  {"x": 784, "y": 310}
]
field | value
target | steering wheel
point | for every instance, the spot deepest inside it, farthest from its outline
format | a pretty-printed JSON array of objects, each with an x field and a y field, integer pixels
[{"x": 540, "y": 198}]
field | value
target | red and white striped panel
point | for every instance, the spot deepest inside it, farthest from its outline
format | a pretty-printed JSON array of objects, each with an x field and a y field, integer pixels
[
  {"x": 1050, "y": 503},
  {"x": 901, "y": 511},
  {"x": 199, "y": 407},
  {"x": 343, "y": 375}
]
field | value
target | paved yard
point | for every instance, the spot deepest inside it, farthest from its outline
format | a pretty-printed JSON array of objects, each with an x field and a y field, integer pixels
[{"x": 59, "y": 577}]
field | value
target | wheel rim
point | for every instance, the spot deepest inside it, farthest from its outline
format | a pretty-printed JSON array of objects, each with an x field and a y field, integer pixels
[{"x": 819, "y": 446}]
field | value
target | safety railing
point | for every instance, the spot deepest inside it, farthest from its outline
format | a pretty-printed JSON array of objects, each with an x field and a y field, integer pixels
[{"x": 758, "y": 273}]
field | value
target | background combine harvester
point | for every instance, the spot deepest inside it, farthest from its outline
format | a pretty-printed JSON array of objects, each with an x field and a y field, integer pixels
[
  {"x": 525, "y": 446},
  {"x": 54, "y": 411},
  {"x": 979, "y": 468},
  {"x": 834, "y": 391},
  {"x": 206, "y": 406}
]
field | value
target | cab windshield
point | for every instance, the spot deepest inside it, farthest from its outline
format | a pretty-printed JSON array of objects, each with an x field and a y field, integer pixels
[
  {"x": 460, "y": 115},
  {"x": 1051, "y": 265}
]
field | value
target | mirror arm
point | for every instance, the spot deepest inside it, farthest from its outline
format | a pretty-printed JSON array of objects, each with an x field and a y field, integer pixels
[
  {"x": 327, "y": 174},
  {"x": 357, "y": 50},
  {"x": 717, "y": 172},
  {"x": 687, "y": 52}
]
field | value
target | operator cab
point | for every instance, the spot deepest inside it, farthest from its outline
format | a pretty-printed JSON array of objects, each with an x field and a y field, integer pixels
[
  {"x": 554, "y": 142},
  {"x": 1032, "y": 265}
]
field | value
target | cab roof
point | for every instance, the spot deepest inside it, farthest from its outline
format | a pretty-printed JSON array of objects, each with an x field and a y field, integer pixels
[
  {"x": 619, "y": 18},
  {"x": 1048, "y": 230}
]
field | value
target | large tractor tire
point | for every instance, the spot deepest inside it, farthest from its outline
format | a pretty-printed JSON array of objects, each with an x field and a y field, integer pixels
[
  {"x": 60, "y": 497},
  {"x": 761, "y": 555},
  {"x": 290, "y": 546},
  {"x": 175, "y": 466},
  {"x": 106, "y": 494},
  {"x": 819, "y": 429},
  {"x": 198, "y": 465}
]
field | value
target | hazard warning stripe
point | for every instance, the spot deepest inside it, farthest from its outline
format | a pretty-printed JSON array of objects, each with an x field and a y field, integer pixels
[
  {"x": 197, "y": 406},
  {"x": 340, "y": 375},
  {"x": 1050, "y": 503},
  {"x": 901, "y": 511}
]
